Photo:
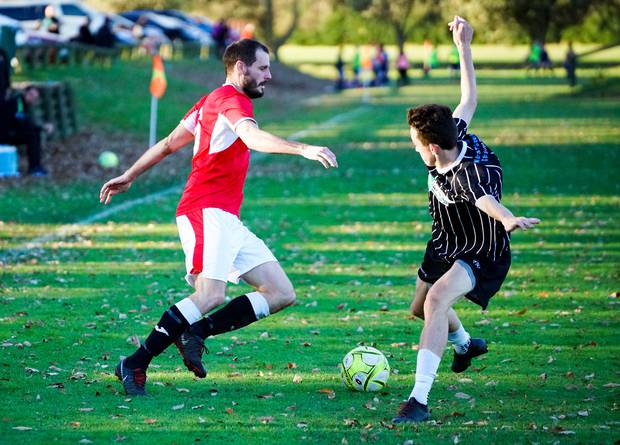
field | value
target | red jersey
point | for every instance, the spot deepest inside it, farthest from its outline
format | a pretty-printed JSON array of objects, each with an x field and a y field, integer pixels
[{"x": 221, "y": 158}]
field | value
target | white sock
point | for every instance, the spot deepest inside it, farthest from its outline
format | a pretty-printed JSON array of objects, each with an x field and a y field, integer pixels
[
  {"x": 189, "y": 310},
  {"x": 460, "y": 340},
  {"x": 425, "y": 373},
  {"x": 259, "y": 304}
]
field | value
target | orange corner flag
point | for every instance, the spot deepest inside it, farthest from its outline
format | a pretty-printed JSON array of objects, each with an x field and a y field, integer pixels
[{"x": 158, "y": 80}]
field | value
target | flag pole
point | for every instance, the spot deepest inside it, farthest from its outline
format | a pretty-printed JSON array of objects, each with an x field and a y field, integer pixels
[
  {"x": 157, "y": 89},
  {"x": 153, "y": 126}
]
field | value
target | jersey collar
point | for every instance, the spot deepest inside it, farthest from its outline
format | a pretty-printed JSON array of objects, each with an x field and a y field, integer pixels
[{"x": 457, "y": 161}]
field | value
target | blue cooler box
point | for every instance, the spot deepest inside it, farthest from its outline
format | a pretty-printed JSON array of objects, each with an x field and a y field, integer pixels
[{"x": 8, "y": 161}]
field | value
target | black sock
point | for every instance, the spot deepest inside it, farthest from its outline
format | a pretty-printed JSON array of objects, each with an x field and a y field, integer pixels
[
  {"x": 235, "y": 315},
  {"x": 168, "y": 329}
]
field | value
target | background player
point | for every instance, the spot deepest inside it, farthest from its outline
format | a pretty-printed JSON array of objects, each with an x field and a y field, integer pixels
[
  {"x": 469, "y": 253},
  {"x": 217, "y": 246}
]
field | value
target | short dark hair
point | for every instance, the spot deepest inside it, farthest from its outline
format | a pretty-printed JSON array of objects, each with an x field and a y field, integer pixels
[
  {"x": 244, "y": 50},
  {"x": 434, "y": 124}
]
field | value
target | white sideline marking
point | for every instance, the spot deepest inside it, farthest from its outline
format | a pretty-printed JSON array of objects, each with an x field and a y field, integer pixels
[
  {"x": 332, "y": 122},
  {"x": 70, "y": 229}
]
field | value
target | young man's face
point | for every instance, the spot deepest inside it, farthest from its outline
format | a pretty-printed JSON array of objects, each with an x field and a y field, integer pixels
[
  {"x": 257, "y": 75},
  {"x": 425, "y": 151}
]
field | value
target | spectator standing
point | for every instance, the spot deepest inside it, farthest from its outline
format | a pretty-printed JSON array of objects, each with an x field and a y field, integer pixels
[
  {"x": 402, "y": 65},
  {"x": 431, "y": 58},
  {"x": 454, "y": 62},
  {"x": 356, "y": 65},
  {"x": 340, "y": 81},
  {"x": 105, "y": 37},
  {"x": 545, "y": 61},
  {"x": 220, "y": 36},
  {"x": 570, "y": 65},
  {"x": 84, "y": 36},
  {"x": 533, "y": 58}
]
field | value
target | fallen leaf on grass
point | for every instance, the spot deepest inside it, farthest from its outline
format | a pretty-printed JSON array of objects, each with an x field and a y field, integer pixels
[
  {"x": 462, "y": 395},
  {"x": 583, "y": 413},
  {"x": 230, "y": 410},
  {"x": 297, "y": 378},
  {"x": 302, "y": 425},
  {"x": 265, "y": 419},
  {"x": 178, "y": 407},
  {"x": 291, "y": 365},
  {"x": 86, "y": 410},
  {"x": 182, "y": 390},
  {"x": 611, "y": 385},
  {"x": 265, "y": 396},
  {"x": 22, "y": 428},
  {"x": 351, "y": 422},
  {"x": 150, "y": 421}
]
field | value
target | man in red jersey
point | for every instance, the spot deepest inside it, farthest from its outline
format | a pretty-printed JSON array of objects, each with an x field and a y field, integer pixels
[{"x": 217, "y": 246}]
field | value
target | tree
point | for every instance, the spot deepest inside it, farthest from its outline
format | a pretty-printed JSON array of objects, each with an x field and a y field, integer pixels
[
  {"x": 541, "y": 20},
  {"x": 275, "y": 20},
  {"x": 266, "y": 19},
  {"x": 398, "y": 14}
]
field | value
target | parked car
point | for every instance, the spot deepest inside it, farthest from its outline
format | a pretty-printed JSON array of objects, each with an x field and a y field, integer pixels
[
  {"x": 71, "y": 14},
  {"x": 174, "y": 28},
  {"x": 201, "y": 23}
]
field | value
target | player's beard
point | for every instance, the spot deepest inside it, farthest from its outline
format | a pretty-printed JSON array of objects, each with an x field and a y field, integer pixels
[{"x": 253, "y": 89}]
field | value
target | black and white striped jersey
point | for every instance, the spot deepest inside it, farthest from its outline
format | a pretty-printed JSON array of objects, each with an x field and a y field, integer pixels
[{"x": 460, "y": 229}]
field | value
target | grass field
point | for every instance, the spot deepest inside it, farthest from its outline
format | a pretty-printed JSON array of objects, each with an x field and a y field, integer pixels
[{"x": 351, "y": 241}]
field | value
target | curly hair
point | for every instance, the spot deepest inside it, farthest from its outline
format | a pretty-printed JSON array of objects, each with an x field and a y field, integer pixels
[{"x": 434, "y": 125}]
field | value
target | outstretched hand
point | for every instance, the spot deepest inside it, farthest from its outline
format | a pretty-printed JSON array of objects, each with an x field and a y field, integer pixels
[
  {"x": 462, "y": 32},
  {"x": 519, "y": 222},
  {"x": 322, "y": 154},
  {"x": 120, "y": 184}
]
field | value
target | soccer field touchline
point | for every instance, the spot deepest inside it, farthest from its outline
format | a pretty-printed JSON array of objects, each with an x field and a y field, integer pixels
[{"x": 71, "y": 229}]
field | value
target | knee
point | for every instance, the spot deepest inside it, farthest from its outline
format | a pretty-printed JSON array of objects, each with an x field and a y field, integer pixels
[
  {"x": 286, "y": 295},
  {"x": 280, "y": 296},
  {"x": 434, "y": 303},
  {"x": 207, "y": 297}
]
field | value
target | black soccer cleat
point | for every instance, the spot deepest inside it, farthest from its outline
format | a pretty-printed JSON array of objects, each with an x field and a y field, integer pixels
[
  {"x": 191, "y": 347},
  {"x": 412, "y": 411},
  {"x": 460, "y": 362},
  {"x": 133, "y": 379}
]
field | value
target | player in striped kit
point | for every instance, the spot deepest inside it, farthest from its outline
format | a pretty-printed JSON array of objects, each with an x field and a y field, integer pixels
[{"x": 469, "y": 252}]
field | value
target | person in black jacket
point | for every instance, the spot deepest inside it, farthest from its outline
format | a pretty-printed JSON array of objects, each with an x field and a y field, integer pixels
[{"x": 17, "y": 127}]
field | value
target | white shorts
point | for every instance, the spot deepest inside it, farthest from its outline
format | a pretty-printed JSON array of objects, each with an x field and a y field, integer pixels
[{"x": 218, "y": 246}]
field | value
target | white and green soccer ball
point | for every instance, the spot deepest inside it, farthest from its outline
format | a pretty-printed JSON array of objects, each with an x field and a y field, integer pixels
[{"x": 365, "y": 369}]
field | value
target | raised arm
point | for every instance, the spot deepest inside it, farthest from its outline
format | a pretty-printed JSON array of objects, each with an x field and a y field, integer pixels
[
  {"x": 176, "y": 140},
  {"x": 462, "y": 33},
  {"x": 261, "y": 140},
  {"x": 489, "y": 205}
]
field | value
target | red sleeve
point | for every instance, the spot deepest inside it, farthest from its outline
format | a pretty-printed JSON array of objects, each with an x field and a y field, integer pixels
[
  {"x": 236, "y": 108},
  {"x": 190, "y": 120}
]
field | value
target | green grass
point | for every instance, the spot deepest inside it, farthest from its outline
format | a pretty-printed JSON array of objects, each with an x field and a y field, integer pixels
[{"x": 351, "y": 241}]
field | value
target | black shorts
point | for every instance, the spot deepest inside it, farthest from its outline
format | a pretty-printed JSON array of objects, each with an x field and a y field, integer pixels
[{"x": 489, "y": 275}]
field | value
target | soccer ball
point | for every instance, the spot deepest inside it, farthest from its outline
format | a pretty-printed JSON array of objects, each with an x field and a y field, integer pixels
[
  {"x": 108, "y": 159},
  {"x": 365, "y": 369}
]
